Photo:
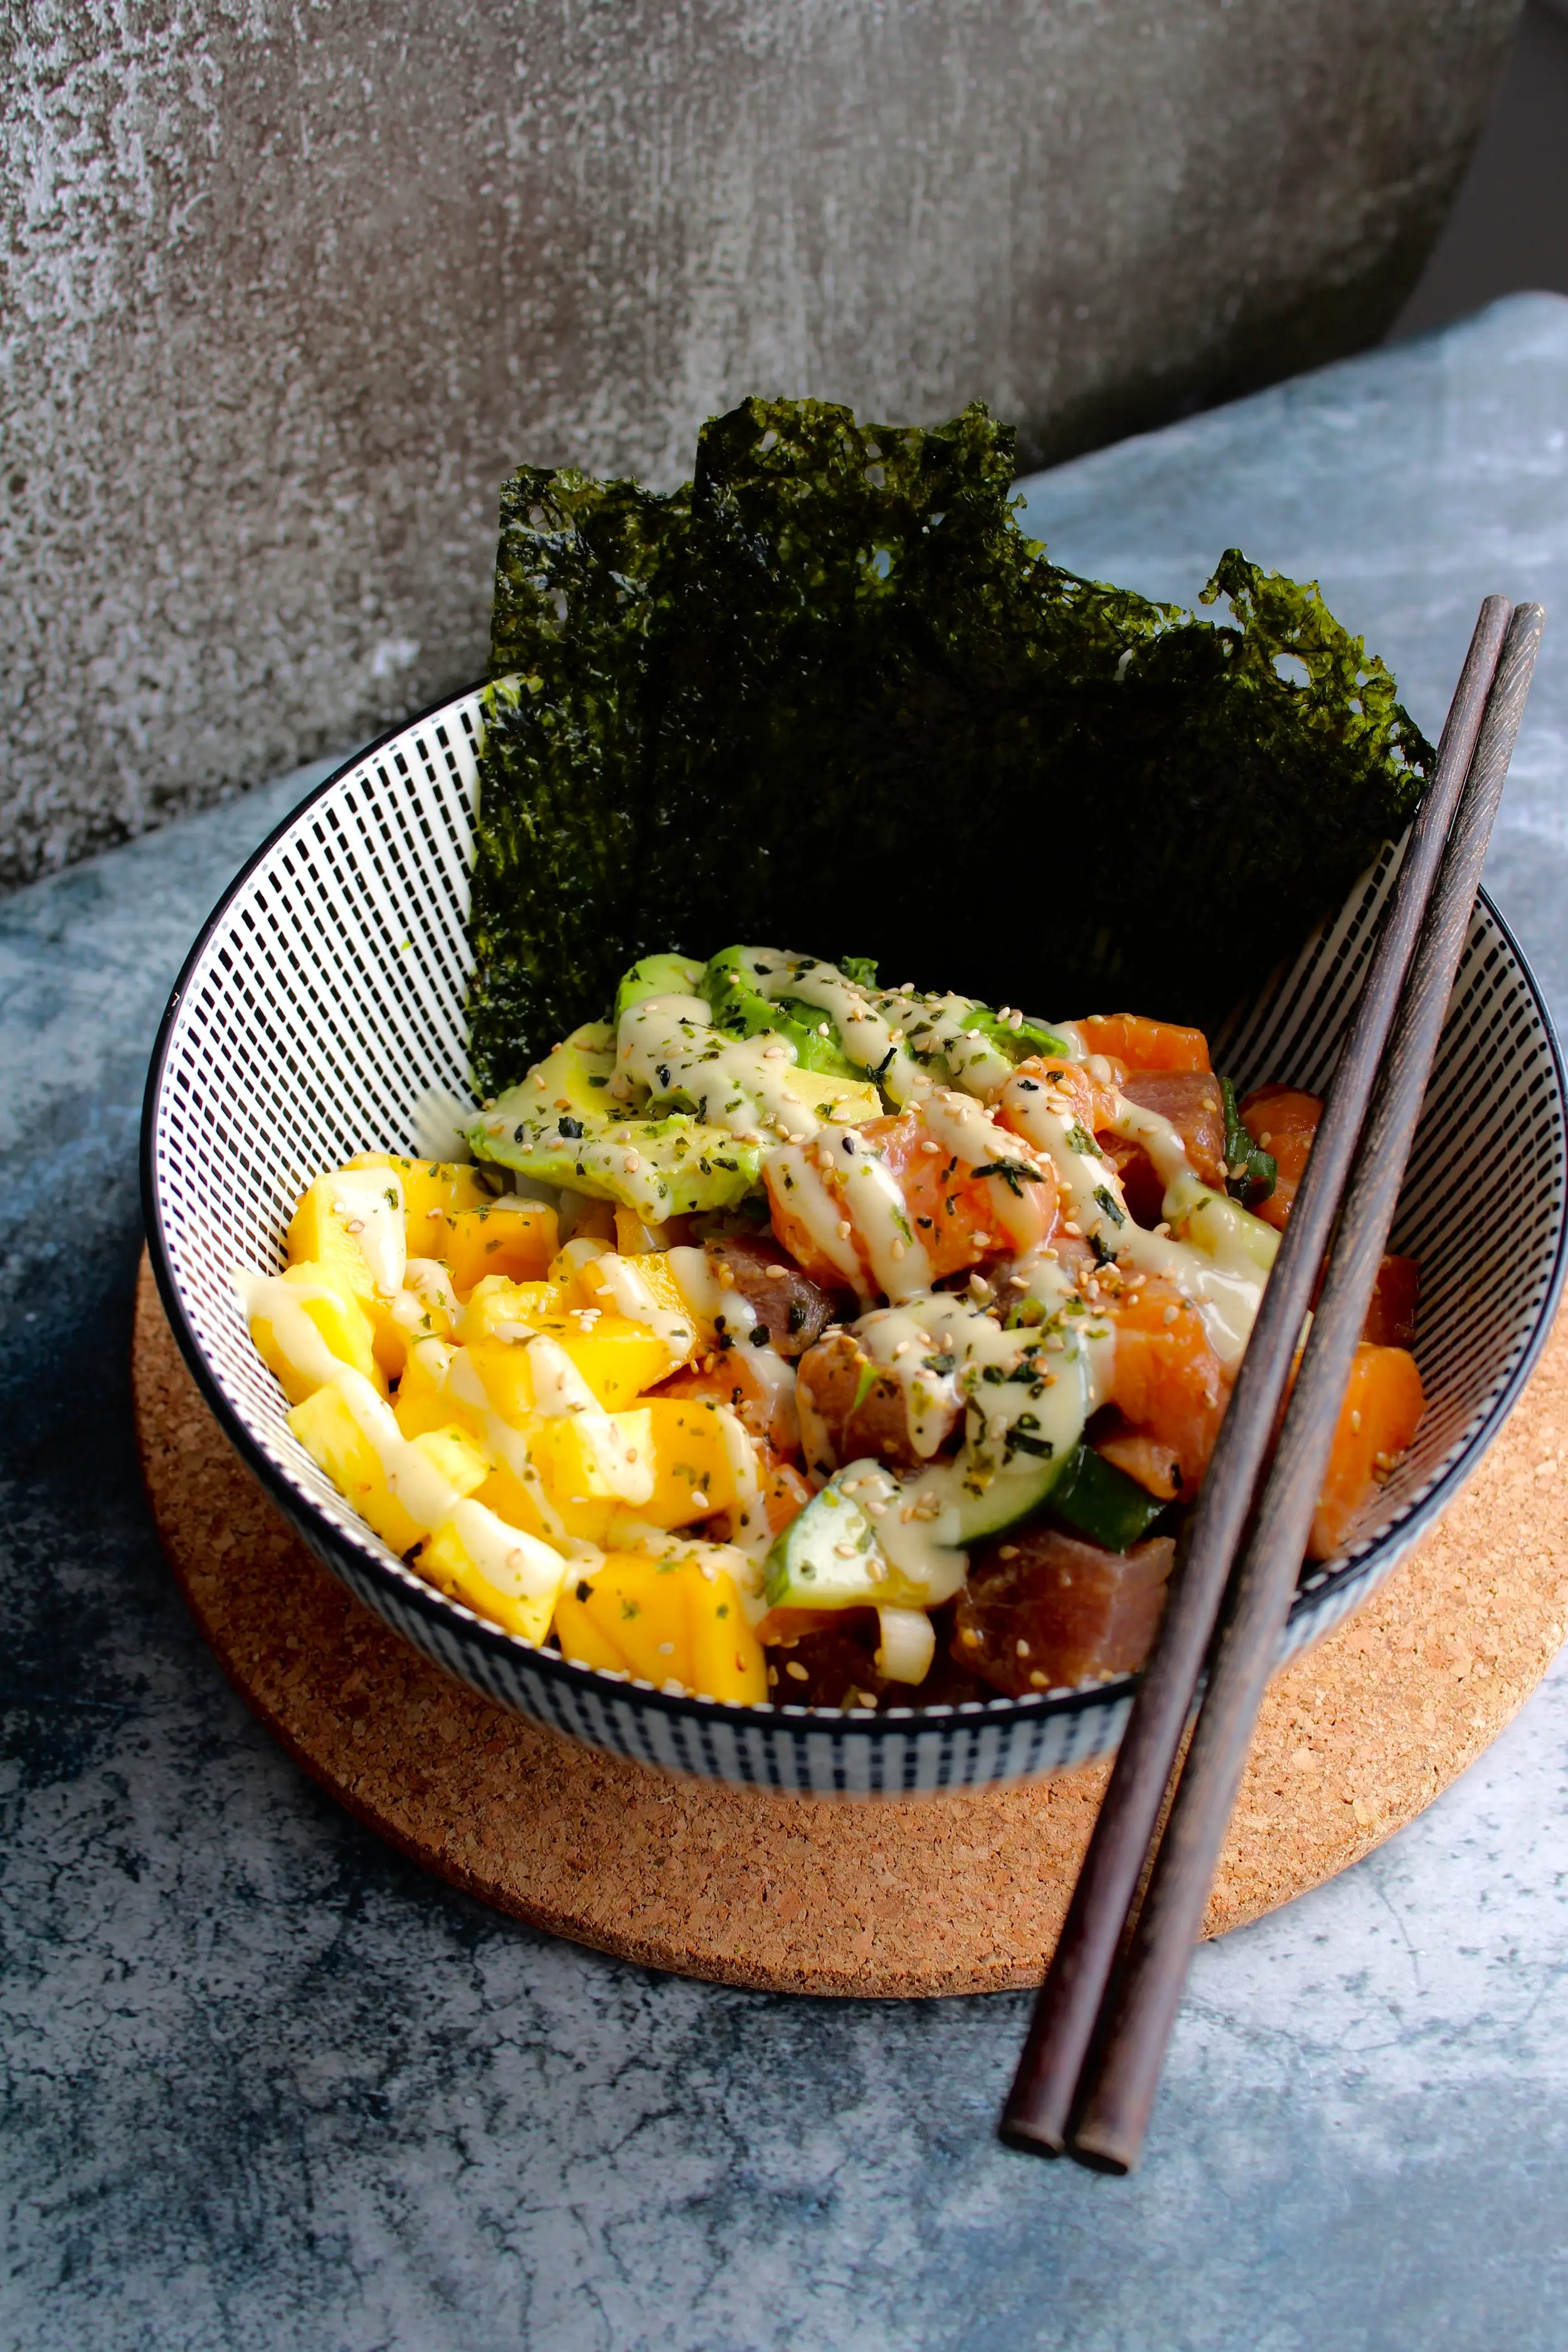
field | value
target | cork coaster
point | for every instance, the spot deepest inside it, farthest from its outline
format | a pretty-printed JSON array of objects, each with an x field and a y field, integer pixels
[{"x": 798, "y": 1895}]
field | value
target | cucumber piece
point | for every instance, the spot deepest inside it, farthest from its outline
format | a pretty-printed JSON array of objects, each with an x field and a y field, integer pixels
[
  {"x": 990, "y": 1508},
  {"x": 829, "y": 1557},
  {"x": 1022, "y": 1429},
  {"x": 1095, "y": 1499}
]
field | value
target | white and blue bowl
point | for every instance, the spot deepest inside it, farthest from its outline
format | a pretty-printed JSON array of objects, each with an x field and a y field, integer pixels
[{"x": 324, "y": 1004}]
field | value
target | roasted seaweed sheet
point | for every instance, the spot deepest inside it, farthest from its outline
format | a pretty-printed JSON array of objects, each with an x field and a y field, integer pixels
[{"x": 830, "y": 696}]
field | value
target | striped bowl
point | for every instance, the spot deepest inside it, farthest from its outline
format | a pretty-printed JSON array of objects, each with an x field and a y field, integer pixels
[{"x": 321, "y": 1008}]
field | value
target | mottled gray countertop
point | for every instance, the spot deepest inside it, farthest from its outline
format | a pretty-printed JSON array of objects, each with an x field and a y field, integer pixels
[{"x": 268, "y": 2087}]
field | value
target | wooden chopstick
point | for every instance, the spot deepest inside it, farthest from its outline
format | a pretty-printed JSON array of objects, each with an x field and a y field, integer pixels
[
  {"x": 1119, "y": 2085},
  {"x": 1045, "y": 2090}
]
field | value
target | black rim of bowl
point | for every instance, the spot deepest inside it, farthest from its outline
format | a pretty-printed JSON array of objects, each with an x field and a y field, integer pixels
[{"x": 411, "y": 1590}]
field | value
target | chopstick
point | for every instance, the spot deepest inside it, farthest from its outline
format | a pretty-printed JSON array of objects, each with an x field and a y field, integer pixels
[
  {"x": 1074, "y": 1997},
  {"x": 1118, "y": 2089}
]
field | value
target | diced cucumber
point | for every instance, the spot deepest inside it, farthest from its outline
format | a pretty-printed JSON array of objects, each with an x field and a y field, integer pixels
[
  {"x": 1098, "y": 1500},
  {"x": 1001, "y": 1502},
  {"x": 829, "y": 1558}
]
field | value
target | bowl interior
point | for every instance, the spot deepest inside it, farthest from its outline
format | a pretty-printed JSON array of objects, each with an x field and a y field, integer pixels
[{"x": 323, "y": 1010}]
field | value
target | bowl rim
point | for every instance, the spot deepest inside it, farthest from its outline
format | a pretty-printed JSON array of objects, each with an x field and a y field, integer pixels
[{"x": 413, "y": 1591}]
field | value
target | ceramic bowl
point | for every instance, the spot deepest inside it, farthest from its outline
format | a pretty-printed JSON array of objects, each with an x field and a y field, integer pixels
[{"x": 321, "y": 1009}]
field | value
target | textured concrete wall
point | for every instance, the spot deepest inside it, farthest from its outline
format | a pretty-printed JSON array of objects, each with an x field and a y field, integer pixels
[{"x": 290, "y": 286}]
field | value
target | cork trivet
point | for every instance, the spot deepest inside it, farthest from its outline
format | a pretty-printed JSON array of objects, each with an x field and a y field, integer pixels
[{"x": 795, "y": 1895}]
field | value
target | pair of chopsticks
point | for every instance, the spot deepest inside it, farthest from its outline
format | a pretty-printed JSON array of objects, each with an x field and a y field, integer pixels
[{"x": 1091, "y": 2064}]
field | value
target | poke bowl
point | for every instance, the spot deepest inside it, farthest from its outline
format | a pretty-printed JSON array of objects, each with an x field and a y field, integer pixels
[{"x": 324, "y": 1013}]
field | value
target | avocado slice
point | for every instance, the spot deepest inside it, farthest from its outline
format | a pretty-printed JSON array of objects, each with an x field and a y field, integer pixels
[
  {"x": 731, "y": 984},
  {"x": 659, "y": 975},
  {"x": 659, "y": 1167},
  {"x": 561, "y": 1127}
]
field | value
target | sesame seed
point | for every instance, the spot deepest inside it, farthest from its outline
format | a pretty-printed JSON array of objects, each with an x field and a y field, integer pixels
[
  {"x": 796, "y": 1672},
  {"x": 1170, "y": 1315},
  {"x": 845, "y": 1229},
  {"x": 632, "y": 1163},
  {"x": 1022, "y": 1647},
  {"x": 667, "y": 1649},
  {"x": 844, "y": 1551},
  {"x": 1007, "y": 1551},
  {"x": 1038, "y": 1681},
  {"x": 1355, "y": 1422},
  {"x": 778, "y": 1273},
  {"x": 896, "y": 1250}
]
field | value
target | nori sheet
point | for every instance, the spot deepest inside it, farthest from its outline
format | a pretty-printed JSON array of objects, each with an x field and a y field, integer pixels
[{"x": 829, "y": 696}]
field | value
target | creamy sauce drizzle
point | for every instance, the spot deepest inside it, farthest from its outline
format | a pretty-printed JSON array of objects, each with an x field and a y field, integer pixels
[{"x": 370, "y": 1203}]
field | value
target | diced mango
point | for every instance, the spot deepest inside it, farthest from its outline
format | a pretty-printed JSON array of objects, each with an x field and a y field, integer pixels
[
  {"x": 505, "y": 1375},
  {"x": 499, "y": 1572},
  {"x": 523, "y": 1500},
  {"x": 511, "y": 1237},
  {"x": 594, "y": 1457},
  {"x": 693, "y": 1473},
  {"x": 662, "y": 1621},
  {"x": 318, "y": 1236},
  {"x": 617, "y": 1358},
  {"x": 422, "y": 1400},
  {"x": 329, "y": 1298},
  {"x": 326, "y": 1426},
  {"x": 606, "y": 1281},
  {"x": 568, "y": 1266},
  {"x": 498, "y": 1304},
  {"x": 432, "y": 1189}
]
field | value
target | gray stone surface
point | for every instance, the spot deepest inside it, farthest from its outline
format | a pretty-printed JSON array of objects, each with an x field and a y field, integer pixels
[
  {"x": 288, "y": 287},
  {"x": 268, "y": 2089}
]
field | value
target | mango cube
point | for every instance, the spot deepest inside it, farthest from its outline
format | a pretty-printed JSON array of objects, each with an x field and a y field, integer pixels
[
  {"x": 665, "y": 1621},
  {"x": 319, "y": 1235},
  {"x": 513, "y": 1237},
  {"x": 498, "y": 1570},
  {"x": 522, "y": 1498},
  {"x": 422, "y": 1400},
  {"x": 617, "y": 1358},
  {"x": 432, "y": 1189},
  {"x": 328, "y": 1300},
  {"x": 694, "y": 1474},
  {"x": 448, "y": 1464}
]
